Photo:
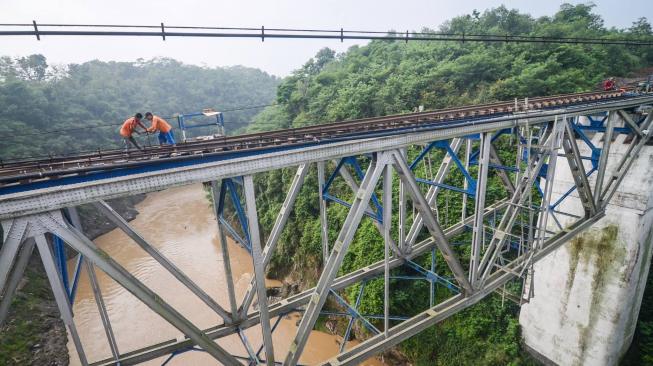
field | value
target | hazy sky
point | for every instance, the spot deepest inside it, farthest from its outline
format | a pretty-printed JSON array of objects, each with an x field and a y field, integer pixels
[{"x": 275, "y": 56}]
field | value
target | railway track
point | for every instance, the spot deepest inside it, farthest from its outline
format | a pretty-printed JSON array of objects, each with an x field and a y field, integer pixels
[{"x": 54, "y": 167}]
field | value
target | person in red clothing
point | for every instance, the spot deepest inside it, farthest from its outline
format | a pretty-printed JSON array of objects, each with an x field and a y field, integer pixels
[
  {"x": 128, "y": 128},
  {"x": 609, "y": 84},
  {"x": 164, "y": 128}
]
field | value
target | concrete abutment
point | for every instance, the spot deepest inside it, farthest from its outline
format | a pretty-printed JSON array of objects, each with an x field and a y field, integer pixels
[{"x": 587, "y": 294}]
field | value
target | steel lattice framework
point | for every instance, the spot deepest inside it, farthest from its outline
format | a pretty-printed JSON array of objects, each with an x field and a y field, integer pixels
[{"x": 508, "y": 233}]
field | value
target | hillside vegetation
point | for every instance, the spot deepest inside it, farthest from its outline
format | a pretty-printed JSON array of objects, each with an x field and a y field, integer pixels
[
  {"x": 385, "y": 77},
  {"x": 60, "y": 109},
  {"x": 47, "y": 109}
]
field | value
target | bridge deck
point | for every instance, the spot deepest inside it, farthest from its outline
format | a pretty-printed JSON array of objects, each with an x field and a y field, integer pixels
[{"x": 39, "y": 185}]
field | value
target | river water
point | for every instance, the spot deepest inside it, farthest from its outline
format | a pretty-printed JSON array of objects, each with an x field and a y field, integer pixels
[{"x": 180, "y": 223}]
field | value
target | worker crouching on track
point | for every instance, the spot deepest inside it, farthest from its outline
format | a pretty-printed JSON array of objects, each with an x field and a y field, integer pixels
[
  {"x": 128, "y": 128},
  {"x": 609, "y": 84},
  {"x": 164, "y": 128}
]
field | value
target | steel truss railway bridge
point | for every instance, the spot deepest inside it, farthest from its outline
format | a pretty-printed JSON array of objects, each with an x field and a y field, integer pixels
[{"x": 508, "y": 235}]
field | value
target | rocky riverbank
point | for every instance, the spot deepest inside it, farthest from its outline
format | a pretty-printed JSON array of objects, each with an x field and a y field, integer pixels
[{"x": 34, "y": 333}]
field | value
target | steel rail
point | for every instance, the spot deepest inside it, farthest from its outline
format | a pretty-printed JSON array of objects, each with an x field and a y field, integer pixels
[
  {"x": 237, "y": 141},
  {"x": 51, "y": 168},
  {"x": 482, "y": 109},
  {"x": 44, "y": 196}
]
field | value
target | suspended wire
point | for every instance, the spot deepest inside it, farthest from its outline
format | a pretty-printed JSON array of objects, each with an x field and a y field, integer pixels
[{"x": 290, "y": 33}]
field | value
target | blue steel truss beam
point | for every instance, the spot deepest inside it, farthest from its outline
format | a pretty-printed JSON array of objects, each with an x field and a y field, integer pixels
[
  {"x": 378, "y": 215},
  {"x": 444, "y": 145},
  {"x": 62, "y": 266},
  {"x": 329, "y": 197},
  {"x": 235, "y": 199},
  {"x": 70, "y": 284},
  {"x": 75, "y": 280},
  {"x": 473, "y": 157},
  {"x": 368, "y": 316},
  {"x": 432, "y": 276},
  {"x": 361, "y": 174},
  {"x": 570, "y": 190},
  {"x": 446, "y": 186},
  {"x": 351, "y": 320},
  {"x": 228, "y": 187},
  {"x": 353, "y": 312},
  {"x": 197, "y": 349}
]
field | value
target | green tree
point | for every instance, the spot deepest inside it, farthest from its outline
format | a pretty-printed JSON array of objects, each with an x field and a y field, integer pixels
[{"x": 385, "y": 77}]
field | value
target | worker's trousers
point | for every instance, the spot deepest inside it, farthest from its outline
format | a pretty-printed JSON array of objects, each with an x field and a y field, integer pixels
[
  {"x": 128, "y": 141},
  {"x": 166, "y": 138}
]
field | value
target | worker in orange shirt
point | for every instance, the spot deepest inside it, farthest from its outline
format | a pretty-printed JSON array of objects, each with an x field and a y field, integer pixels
[
  {"x": 164, "y": 128},
  {"x": 128, "y": 128}
]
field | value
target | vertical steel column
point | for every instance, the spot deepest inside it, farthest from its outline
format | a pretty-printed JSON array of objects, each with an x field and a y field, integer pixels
[
  {"x": 387, "y": 226},
  {"x": 479, "y": 205},
  {"x": 350, "y": 324},
  {"x": 114, "y": 217},
  {"x": 224, "y": 248},
  {"x": 259, "y": 268},
  {"x": 578, "y": 169},
  {"x": 275, "y": 234},
  {"x": 76, "y": 222},
  {"x": 505, "y": 179},
  {"x": 402, "y": 211},
  {"x": 405, "y": 174},
  {"x": 431, "y": 282},
  {"x": 520, "y": 154},
  {"x": 432, "y": 193},
  {"x": 603, "y": 159},
  {"x": 60, "y": 294},
  {"x": 88, "y": 249},
  {"x": 323, "y": 212},
  {"x": 349, "y": 179},
  {"x": 468, "y": 149},
  {"x": 14, "y": 278},
  {"x": 627, "y": 160},
  {"x": 545, "y": 207},
  {"x": 522, "y": 191},
  {"x": 321, "y": 291}
]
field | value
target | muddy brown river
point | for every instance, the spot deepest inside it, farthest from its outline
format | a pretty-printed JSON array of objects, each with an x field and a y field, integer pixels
[{"x": 180, "y": 223}]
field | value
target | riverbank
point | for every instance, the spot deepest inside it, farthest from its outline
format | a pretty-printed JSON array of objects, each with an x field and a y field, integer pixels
[
  {"x": 180, "y": 223},
  {"x": 34, "y": 333}
]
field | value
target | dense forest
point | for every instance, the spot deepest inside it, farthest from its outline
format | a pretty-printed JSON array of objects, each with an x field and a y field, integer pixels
[
  {"x": 385, "y": 77},
  {"x": 57, "y": 109},
  {"x": 64, "y": 108}
]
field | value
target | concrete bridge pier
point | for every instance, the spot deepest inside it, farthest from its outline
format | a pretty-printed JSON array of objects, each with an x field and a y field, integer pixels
[{"x": 587, "y": 294}]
